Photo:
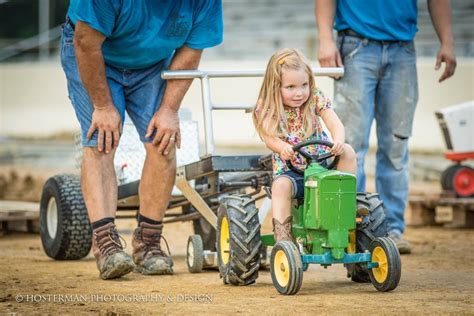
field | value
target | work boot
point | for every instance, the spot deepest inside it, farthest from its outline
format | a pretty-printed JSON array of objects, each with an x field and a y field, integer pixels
[
  {"x": 147, "y": 253},
  {"x": 111, "y": 260},
  {"x": 403, "y": 245},
  {"x": 282, "y": 231}
]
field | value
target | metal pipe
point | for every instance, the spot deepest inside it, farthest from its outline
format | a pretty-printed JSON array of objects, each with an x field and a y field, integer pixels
[
  {"x": 207, "y": 109},
  {"x": 190, "y": 74},
  {"x": 232, "y": 106},
  {"x": 205, "y": 75}
]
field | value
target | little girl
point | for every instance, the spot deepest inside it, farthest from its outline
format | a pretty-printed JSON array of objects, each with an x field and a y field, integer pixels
[{"x": 288, "y": 110}]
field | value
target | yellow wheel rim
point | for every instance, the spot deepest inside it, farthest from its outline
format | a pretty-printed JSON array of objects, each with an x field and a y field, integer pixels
[
  {"x": 379, "y": 256},
  {"x": 351, "y": 247},
  {"x": 224, "y": 241},
  {"x": 281, "y": 268}
]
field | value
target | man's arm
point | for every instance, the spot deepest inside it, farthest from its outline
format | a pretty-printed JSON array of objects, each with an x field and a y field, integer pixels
[
  {"x": 329, "y": 55},
  {"x": 90, "y": 62},
  {"x": 440, "y": 12},
  {"x": 166, "y": 120}
]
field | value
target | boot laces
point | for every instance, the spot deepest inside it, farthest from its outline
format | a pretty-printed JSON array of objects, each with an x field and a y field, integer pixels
[{"x": 153, "y": 245}]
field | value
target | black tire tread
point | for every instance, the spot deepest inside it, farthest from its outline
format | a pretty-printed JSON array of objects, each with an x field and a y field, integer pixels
[
  {"x": 245, "y": 243},
  {"x": 376, "y": 227},
  {"x": 73, "y": 239}
]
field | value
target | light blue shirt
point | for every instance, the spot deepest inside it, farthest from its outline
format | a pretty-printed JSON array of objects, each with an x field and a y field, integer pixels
[
  {"x": 140, "y": 33},
  {"x": 381, "y": 20}
]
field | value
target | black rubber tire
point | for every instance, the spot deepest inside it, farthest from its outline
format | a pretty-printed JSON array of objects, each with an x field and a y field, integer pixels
[
  {"x": 242, "y": 265},
  {"x": 371, "y": 227},
  {"x": 394, "y": 265},
  {"x": 195, "y": 260},
  {"x": 455, "y": 176},
  {"x": 295, "y": 266},
  {"x": 264, "y": 259},
  {"x": 73, "y": 238},
  {"x": 447, "y": 177}
]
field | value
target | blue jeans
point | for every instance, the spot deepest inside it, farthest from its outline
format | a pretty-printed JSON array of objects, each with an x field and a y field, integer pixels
[
  {"x": 137, "y": 91},
  {"x": 297, "y": 183},
  {"x": 380, "y": 82}
]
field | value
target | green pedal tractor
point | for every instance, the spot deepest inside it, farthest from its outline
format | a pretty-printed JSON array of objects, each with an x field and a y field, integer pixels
[{"x": 334, "y": 224}]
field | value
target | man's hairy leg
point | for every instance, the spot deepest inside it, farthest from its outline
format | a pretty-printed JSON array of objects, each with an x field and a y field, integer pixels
[
  {"x": 155, "y": 191},
  {"x": 157, "y": 182},
  {"x": 99, "y": 183}
]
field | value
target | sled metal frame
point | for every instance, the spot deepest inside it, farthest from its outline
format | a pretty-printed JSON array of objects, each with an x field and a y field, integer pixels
[{"x": 241, "y": 171}]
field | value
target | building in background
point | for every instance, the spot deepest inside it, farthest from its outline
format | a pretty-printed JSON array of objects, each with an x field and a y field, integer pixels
[{"x": 253, "y": 29}]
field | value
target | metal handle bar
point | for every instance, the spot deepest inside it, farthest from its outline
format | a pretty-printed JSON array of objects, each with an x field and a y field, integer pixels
[{"x": 208, "y": 106}]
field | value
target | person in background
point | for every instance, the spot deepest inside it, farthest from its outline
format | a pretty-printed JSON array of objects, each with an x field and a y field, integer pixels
[{"x": 375, "y": 46}]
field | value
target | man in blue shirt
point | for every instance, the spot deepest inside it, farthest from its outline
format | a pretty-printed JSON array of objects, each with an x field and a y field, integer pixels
[
  {"x": 375, "y": 47},
  {"x": 113, "y": 52}
]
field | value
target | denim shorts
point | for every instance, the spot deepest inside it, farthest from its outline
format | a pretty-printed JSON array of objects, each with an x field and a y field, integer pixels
[
  {"x": 137, "y": 91},
  {"x": 297, "y": 182}
]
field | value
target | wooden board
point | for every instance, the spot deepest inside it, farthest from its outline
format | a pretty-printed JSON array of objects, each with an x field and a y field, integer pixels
[
  {"x": 19, "y": 216},
  {"x": 429, "y": 209}
]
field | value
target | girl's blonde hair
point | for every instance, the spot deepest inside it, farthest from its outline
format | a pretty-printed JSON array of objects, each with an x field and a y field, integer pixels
[{"x": 269, "y": 111}]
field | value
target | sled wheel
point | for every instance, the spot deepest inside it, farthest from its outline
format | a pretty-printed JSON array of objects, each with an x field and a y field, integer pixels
[
  {"x": 387, "y": 275},
  {"x": 195, "y": 254},
  {"x": 238, "y": 240},
  {"x": 286, "y": 268},
  {"x": 65, "y": 229}
]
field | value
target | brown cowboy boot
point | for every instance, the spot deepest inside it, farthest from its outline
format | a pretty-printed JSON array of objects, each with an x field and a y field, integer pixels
[
  {"x": 111, "y": 260},
  {"x": 147, "y": 253},
  {"x": 283, "y": 230}
]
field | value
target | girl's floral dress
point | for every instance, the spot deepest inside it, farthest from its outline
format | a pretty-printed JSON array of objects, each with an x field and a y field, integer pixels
[{"x": 295, "y": 133}]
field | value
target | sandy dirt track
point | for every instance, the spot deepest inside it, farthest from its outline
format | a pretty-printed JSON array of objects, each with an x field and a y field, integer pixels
[{"x": 437, "y": 278}]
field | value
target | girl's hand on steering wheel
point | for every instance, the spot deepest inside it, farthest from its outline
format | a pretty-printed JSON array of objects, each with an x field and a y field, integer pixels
[
  {"x": 287, "y": 153},
  {"x": 338, "y": 148}
]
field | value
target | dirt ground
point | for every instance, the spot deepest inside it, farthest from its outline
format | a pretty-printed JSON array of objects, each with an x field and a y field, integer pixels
[{"x": 437, "y": 278}]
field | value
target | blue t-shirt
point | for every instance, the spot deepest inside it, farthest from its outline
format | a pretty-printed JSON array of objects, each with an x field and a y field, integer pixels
[
  {"x": 140, "y": 33},
  {"x": 381, "y": 20}
]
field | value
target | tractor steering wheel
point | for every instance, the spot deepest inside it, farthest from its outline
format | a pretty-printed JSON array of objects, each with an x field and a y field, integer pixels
[{"x": 313, "y": 158}]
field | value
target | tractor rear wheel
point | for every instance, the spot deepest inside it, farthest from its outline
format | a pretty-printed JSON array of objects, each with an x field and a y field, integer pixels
[
  {"x": 238, "y": 240},
  {"x": 369, "y": 227}
]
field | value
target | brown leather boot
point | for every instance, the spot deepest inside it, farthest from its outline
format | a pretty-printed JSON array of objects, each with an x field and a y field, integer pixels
[
  {"x": 282, "y": 231},
  {"x": 147, "y": 253},
  {"x": 111, "y": 260}
]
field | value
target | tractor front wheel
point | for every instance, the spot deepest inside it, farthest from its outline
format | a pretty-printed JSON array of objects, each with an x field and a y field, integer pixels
[
  {"x": 386, "y": 276},
  {"x": 286, "y": 268}
]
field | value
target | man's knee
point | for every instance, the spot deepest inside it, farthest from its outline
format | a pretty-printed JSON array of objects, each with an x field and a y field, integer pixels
[
  {"x": 168, "y": 160},
  {"x": 93, "y": 154}
]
